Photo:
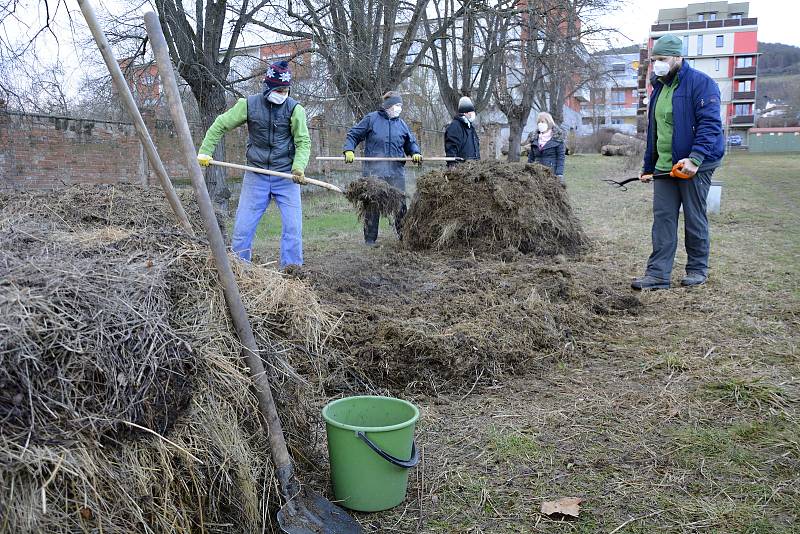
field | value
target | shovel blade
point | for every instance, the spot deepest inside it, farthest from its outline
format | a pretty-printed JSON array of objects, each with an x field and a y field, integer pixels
[{"x": 311, "y": 513}]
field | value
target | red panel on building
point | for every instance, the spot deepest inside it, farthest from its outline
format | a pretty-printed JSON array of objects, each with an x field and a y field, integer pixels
[{"x": 745, "y": 43}]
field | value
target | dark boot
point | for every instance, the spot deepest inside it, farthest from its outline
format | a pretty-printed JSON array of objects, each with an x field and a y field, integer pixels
[
  {"x": 372, "y": 219},
  {"x": 649, "y": 282},
  {"x": 398, "y": 222},
  {"x": 693, "y": 279}
]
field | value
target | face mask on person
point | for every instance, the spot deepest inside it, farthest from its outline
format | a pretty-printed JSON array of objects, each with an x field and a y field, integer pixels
[
  {"x": 661, "y": 68},
  {"x": 277, "y": 98},
  {"x": 543, "y": 127},
  {"x": 394, "y": 111},
  {"x": 470, "y": 115}
]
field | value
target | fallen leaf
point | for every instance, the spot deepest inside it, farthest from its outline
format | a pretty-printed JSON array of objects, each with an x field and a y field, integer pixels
[
  {"x": 564, "y": 506},
  {"x": 86, "y": 513}
]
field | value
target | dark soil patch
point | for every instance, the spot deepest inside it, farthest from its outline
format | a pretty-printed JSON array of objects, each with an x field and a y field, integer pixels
[
  {"x": 493, "y": 207},
  {"x": 432, "y": 323}
]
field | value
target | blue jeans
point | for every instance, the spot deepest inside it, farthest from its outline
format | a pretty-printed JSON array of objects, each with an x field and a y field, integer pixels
[
  {"x": 668, "y": 196},
  {"x": 257, "y": 191}
]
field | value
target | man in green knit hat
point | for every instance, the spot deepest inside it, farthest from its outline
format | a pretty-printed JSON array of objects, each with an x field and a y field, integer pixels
[{"x": 684, "y": 127}]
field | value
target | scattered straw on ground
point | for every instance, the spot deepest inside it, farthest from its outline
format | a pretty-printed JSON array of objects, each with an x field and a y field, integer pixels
[
  {"x": 492, "y": 206},
  {"x": 430, "y": 322}
]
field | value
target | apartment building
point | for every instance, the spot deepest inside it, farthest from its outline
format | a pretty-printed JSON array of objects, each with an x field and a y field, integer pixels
[
  {"x": 720, "y": 39},
  {"x": 613, "y": 98}
]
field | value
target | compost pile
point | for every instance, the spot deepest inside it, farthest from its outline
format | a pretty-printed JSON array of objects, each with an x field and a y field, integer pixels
[
  {"x": 372, "y": 194},
  {"x": 427, "y": 322},
  {"x": 124, "y": 405},
  {"x": 491, "y": 207}
]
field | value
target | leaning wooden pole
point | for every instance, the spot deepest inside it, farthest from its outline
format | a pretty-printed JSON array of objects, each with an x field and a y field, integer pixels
[
  {"x": 280, "y": 454},
  {"x": 138, "y": 123}
]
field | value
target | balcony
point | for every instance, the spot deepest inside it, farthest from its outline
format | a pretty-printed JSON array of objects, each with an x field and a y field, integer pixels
[
  {"x": 744, "y": 71},
  {"x": 744, "y": 95},
  {"x": 702, "y": 24},
  {"x": 743, "y": 120}
]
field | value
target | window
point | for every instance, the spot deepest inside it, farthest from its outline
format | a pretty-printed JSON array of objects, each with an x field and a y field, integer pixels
[
  {"x": 716, "y": 64},
  {"x": 691, "y": 63},
  {"x": 685, "y": 49},
  {"x": 618, "y": 97},
  {"x": 616, "y": 121},
  {"x": 699, "y": 45},
  {"x": 736, "y": 16},
  {"x": 743, "y": 62},
  {"x": 700, "y": 17},
  {"x": 712, "y": 16},
  {"x": 720, "y": 41},
  {"x": 618, "y": 67},
  {"x": 742, "y": 109},
  {"x": 745, "y": 85}
]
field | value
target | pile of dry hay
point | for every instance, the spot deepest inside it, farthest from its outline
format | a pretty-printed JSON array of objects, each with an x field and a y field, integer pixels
[
  {"x": 431, "y": 323},
  {"x": 123, "y": 404},
  {"x": 490, "y": 207},
  {"x": 373, "y": 194}
]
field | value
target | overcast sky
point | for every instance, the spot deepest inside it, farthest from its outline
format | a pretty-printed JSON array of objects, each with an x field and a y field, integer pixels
[{"x": 778, "y": 20}]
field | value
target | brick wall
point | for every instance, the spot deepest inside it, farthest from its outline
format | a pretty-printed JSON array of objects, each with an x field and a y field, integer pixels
[{"x": 43, "y": 151}]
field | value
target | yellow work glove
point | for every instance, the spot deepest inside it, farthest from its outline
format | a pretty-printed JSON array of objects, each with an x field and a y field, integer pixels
[
  {"x": 298, "y": 176},
  {"x": 204, "y": 160},
  {"x": 349, "y": 156},
  {"x": 417, "y": 158}
]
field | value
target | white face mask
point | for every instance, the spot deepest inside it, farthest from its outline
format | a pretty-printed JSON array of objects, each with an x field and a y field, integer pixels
[
  {"x": 394, "y": 111},
  {"x": 542, "y": 127},
  {"x": 470, "y": 116},
  {"x": 661, "y": 68},
  {"x": 277, "y": 98}
]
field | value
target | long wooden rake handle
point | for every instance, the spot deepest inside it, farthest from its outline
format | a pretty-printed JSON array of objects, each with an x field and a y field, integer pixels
[
  {"x": 258, "y": 170},
  {"x": 280, "y": 454},
  {"x": 374, "y": 158}
]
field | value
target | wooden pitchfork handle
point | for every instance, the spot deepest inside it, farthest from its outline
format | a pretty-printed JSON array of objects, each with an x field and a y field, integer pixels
[
  {"x": 258, "y": 170},
  {"x": 374, "y": 158}
]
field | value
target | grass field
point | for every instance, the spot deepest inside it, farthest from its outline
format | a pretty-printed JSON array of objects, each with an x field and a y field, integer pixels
[{"x": 683, "y": 418}]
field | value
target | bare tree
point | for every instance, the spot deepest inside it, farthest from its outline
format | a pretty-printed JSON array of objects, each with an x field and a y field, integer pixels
[
  {"x": 466, "y": 60},
  {"x": 369, "y": 47},
  {"x": 521, "y": 71},
  {"x": 546, "y": 61}
]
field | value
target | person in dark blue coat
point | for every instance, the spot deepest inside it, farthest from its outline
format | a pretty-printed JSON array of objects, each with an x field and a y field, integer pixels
[
  {"x": 460, "y": 139},
  {"x": 684, "y": 127},
  {"x": 547, "y": 146},
  {"x": 384, "y": 134}
]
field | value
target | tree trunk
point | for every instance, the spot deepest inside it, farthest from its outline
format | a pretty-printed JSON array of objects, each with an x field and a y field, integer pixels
[
  {"x": 515, "y": 126},
  {"x": 216, "y": 177}
]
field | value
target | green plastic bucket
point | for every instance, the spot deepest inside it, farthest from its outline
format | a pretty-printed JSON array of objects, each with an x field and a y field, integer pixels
[{"x": 371, "y": 448}]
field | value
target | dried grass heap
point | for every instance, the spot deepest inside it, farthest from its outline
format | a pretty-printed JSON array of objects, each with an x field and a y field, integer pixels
[
  {"x": 124, "y": 406},
  {"x": 491, "y": 207}
]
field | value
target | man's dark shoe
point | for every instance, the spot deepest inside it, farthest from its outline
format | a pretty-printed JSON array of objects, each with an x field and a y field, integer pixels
[
  {"x": 693, "y": 279},
  {"x": 370, "y": 243},
  {"x": 649, "y": 282}
]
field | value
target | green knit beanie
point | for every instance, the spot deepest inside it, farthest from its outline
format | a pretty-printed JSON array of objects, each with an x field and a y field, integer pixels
[{"x": 668, "y": 45}]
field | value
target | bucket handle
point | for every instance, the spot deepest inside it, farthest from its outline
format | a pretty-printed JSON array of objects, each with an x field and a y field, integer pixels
[{"x": 405, "y": 464}]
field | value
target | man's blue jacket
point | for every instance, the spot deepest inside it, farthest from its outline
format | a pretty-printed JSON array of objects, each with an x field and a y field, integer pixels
[
  {"x": 383, "y": 137},
  {"x": 697, "y": 125}
]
